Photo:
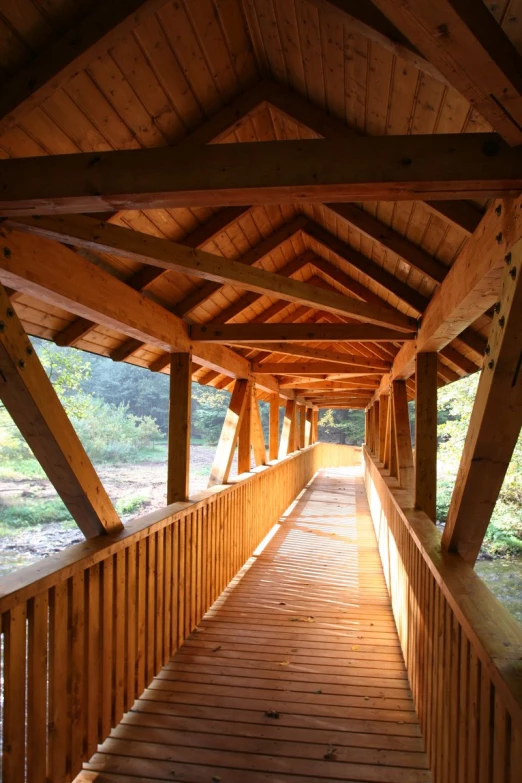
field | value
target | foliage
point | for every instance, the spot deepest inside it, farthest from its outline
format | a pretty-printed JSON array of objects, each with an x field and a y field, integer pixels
[
  {"x": 455, "y": 403},
  {"x": 342, "y": 426},
  {"x": 209, "y": 407},
  {"x": 111, "y": 434}
]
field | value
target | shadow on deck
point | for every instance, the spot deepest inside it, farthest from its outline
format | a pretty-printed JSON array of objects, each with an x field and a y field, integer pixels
[{"x": 294, "y": 674}]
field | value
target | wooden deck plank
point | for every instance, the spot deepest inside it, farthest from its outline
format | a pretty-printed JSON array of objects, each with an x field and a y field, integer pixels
[{"x": 295, "y": 673}]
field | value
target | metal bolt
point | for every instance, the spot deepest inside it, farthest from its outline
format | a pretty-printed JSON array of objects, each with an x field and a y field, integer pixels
[
  {"x": 496, "y": 307},
  {"x": 513, "y": 272},
  {"x": 7, "y": 252},
  {"x": 10, "y": 312},
  {"x": 487, "y": 349},
  {"x": 21, "y": 364},
  {"x": 491, "y": 364},
  {"x": 507, "y": 258},
  {"x": 498, "y": 209},
  {"x": 499, "y": 237},
  {"x": 501, "y": 321},
  {"x": 29, "y": 351}
]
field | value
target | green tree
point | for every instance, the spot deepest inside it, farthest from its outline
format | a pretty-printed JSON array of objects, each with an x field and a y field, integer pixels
[{"x": 342, "y": 426}]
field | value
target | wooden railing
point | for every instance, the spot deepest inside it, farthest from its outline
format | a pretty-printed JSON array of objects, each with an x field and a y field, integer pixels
[
  {"x": 84, "y": 631},
  {"x": 463, "y": 650}
]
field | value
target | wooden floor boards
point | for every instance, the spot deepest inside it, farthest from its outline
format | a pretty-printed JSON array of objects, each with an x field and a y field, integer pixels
[{"x": 295, "y": 674}]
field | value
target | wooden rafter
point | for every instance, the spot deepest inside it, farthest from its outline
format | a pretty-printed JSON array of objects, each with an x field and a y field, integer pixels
[
  {"x": 97, "y": 295},
  {"x": 471, "y": 286},
  {"x": 33, "y": 404},
  {"x": 292, "y": 332},
  {"x": 495, "y": 423},
  {"x": 309, "y": 368},
  {"x": 364, "y": 169},
  {"x": 93, "y": 234},
  {"x": 144, "y": 278},
  {"x": 465, "y": 43},
  {"x": 325, "y": 354}
]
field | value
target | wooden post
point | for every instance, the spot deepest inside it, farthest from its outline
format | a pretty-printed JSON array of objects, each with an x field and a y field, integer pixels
[
  {"x": 367, "y": 427},
  {"x": 245, "y": 434},
  {"x": 178, "y": 466},
  {"x": 426, "y": 433},
  {"x": 308, "y": 426},
  {"x": 258, "y": 438},
  {"x": 383, "y": 417},
  {"x": 302, "y": 415},
  {"x": 405, "y": 469},
  {"x": 315, "y": 425},
  {"x": 495, "y": 422},
  {"x": 273, "y": 427},
  {"x": 33, "y": 404},
  {"x": 286, "y": 445},
  {"x": 229, "y": 434},
  {"x": 376, "y": 425}
]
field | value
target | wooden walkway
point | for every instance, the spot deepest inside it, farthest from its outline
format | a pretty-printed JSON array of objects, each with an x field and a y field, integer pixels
[{"x": 295, "y": 673}]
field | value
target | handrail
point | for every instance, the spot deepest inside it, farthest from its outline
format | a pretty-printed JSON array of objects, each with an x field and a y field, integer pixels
[
  {"x": 85, "y": 630},
  {"x": 46, "y": 573},
  {"x": 462, "y": 648}
]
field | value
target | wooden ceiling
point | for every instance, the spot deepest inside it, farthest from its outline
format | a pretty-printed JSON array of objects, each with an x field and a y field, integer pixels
[{"x": 186, "y": 74}]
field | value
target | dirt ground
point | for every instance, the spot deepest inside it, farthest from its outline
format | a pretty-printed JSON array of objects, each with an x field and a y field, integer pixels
[{"x": 145, "y": 480}]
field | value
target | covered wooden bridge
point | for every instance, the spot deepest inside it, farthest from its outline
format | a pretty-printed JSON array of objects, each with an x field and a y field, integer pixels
[{"x": 314, "y": 203}]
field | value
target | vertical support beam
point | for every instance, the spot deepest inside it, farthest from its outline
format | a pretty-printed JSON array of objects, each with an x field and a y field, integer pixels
[
  {"x": 495, "y": 422},
  {"x": 302, "y": 415},
  {"x": 315, "y": 425},
  {"x": 405, "y": 469},
  {"x": 33, "y": 404},
  {"x": 258, "y": 438},
  {"x": 178, "y": 466},
  {"x": 376, "y": 426},
  {"x": 308, "y": 427},
  {"x": 426, "y": 433},
  {"x": 245, "y": 434},
  {"x": 285, "y": 444},
  {"x": 229, "y": 435},
  {"x": 367, "y": 427},
  {"x": 273, "y": 427},
  {"x": 383, "y": 418}
]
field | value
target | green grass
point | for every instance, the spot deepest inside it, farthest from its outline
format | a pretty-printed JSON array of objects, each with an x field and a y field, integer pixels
[
  {"x": 24, "y": 513},
  {"x": 130, "y": 505},
  {"x": 21, "y": 469}
]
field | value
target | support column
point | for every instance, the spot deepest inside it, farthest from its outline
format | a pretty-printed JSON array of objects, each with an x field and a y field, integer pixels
[
  {"x": 33, "y": 404},
  {"x": 178, "y": 465},
  {"x": 273, "y": 427},
  {"x": 285, "y": 445},
  {"x": 302, "y": 414},
  {"x": 308, "y": 427},
  {"x": 376, "y": 426},
  {"x": 258, "y": 438},
  {"x": 495, "y": 422},
  {"x": 405, "y": 469},
  {"x": 426, "y": 433},
  {"x": 229, "y": 435},
  {"x": 383, "y": 417},
  {"x": 315, "y": 425},
  {"x": 245, "y": 434}
]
